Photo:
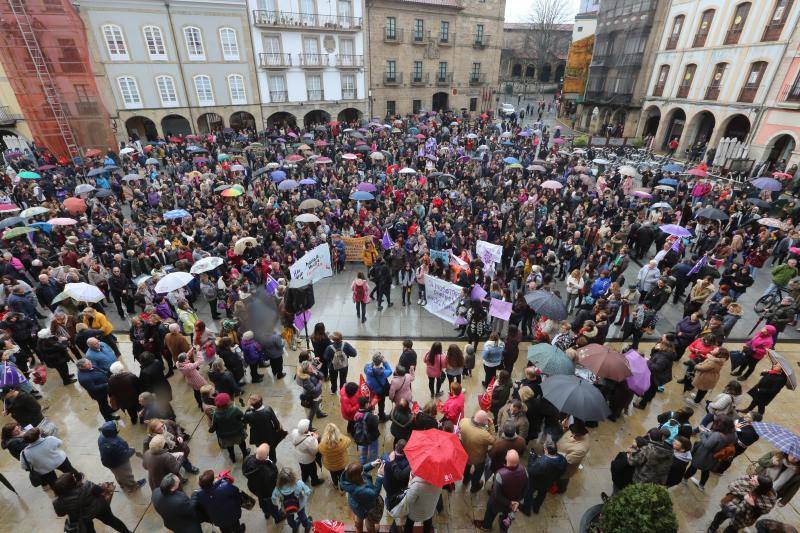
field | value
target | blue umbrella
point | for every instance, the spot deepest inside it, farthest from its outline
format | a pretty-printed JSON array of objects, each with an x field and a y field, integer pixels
[
  {"x": 278, "y": 176},
  {"x": 196, "y": 149},
  {"x": 767, "y": 184},
  {"x": 507, "y": 143},
  {"x": 96, "y": 172},
  {"x": 672, "y": 167},
  {"x": 308, "y": 181},
  {"x": 550, "y": 360},
  {"x": 43, "y": 226},
  {"x": 780, "y": 437},
  {"x": 287, "y": 185},
  {"x": 510, "y": 160},
  {"x": 110, "y": 167},
  {"x": 361, "y": 196},
  {"x": 668, "y": 181},
  {"x": 176, "y": 213}
]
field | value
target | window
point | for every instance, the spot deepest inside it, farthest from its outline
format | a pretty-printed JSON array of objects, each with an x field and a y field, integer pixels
[
  {"x": 737, "y": 24},
  {"x": 310, "y": 45},
  {"x": 194, "y": 44},
  {"x": 419, "y": 30},
  {"x": 267, "y": 5},
  {"x": 166, "y": 91},
  {"x": 444, "y": 32},
  {"x": 704, "y": 28},
  {"x": 661, "y": 81},
  {"x": 70, "y": 57},
  {"x": 442, "y": 70},
  {"x": 416, "y": 106},
  {"x": 712, "y": 92},
  {"x": 347, "y": 53},
  {"x": 115, "y": 43},
  {"x": 479, "y": 34},
  {"x": 416, "y": 72},
  {"x": 391, "y": 108},
  {"x": 230, "y": 46},
  {"x": 473, "y": 104},
  {"x": 202, "y": 86},
  {"x": 779, "y": 15},
  {"x": 516, "y": 70},
  {"x": 580, "y": 29},
  {"x": 675, "y": 34},
  {"x": 344, "y": 8},
  {"x": 130, "y": 92},
  {"x": 793, "y": 94},
  {"x": 476, "y": 70},
  {"x": 154, "y": 41},
  {"x": 314, "y": 87},
  {"x": 236, "y": 89},
  {"x": 686, "y": 81},
  {"x": 391, "y": 70},
  {"x": 753, "y": 81},
  {"x": 348, "y": 87},
  {"x": 391, "y": 28},
  {"x": 277, "y": 89},
  {"x": 530, "y": 71},
  {"x": 308, "y": 12}
]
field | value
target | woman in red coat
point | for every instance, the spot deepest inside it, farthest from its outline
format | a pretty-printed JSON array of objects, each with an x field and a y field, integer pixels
[{"x": 348, "y": 396}]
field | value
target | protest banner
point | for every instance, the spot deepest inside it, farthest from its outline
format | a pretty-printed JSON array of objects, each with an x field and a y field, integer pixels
[
  {"x": 301, "y": 319},
  {"x": 500, "y": 309},
  {"x": 442, "y": 298},
  {"x": 478, "y": 293},
  {"x": 314, "y": 265},
  {"x": 489, "y": 253},
  {"x": 354, "y": 248},
  {"x": 443, "y": 255}
]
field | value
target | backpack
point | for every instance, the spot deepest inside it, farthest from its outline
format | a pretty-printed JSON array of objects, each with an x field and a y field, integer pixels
[
  {"x": 291, "y": 503},
  {"x": 360, "y": 431},
  {"x": 360, "y": 292},
  {"x": 339, "y": 360},
  {"x": 673, "y": 427}
]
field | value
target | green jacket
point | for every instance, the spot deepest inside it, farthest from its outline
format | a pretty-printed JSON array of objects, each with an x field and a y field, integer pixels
[
  {"x": 782, "y": 274},
  {"x": 228, "y": 422},
  {"x": 786, "y": 492}
]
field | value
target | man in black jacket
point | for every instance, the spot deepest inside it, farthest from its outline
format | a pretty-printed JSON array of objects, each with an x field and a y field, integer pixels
[
  {"x": 543, "y": 471},
  {"x": 119, "y": 285},
  {"x": 396, "y": 474},
  {"x": 174, "y": 507},
  {"x": 95, "y": 381},
  {"x": 383, "y": 283},
  {"x": 262, "y": 474},
  {"x": 265, "y": 428}
]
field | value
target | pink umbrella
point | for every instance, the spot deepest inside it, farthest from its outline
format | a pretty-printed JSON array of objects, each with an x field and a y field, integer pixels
[
  {"x": 294, "y": 158},
  {"x": 62, "y": 221},
  {"x": 559, "y": 140},
  {"x": 639, "y": 380},
  {"x": 642, "y": 194},
  {"x": 323, "y": 160},
  {"x": 350, "y": 157},
  {"x": 552, "y": 184},
  {"x": 697, "y": 172},
  {"x": 321, "y": 142}
]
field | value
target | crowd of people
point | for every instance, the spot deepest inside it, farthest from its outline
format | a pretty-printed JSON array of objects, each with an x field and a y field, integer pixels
[{"x": 223, "y": 209}]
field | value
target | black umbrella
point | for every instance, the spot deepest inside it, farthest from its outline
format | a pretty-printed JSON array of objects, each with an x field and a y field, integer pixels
[
  {"x": 103, "y": 193},
  {"x": 711, "y": 213},
  {"x": 576, "y": 396},
  {"x": 761, "y": 204},
  {"x": 262, "y": 170},
  {"x": 547, "y": 304}
]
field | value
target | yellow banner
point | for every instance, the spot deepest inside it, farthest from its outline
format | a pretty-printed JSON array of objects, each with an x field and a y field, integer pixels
[{"x": 354, "y": 248}]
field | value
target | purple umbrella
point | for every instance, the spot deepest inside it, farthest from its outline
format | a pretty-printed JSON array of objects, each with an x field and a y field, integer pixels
[
  {"x": 11, "y": 376},
  {"x": 639, "y": 380},
  {"x": 767, "y": 184},
  {"x": 287, "y": 185},
  {"x": 676, "y": 230},
  {"x": 642, "y": 194},
  {"x": 525, "y": 133},
  {"x": 368, "y": 187},
  {"x": 278, "y": 176},
  {"x": 308, "y": 181}
]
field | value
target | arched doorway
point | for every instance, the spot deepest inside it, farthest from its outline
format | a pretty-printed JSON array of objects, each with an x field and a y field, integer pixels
[
  {"x": 439, "y": 101},
  {"x": 782, "y": 148},
  {"x": 676, "y": 120},
  {"x": 242, "y": 120},
  {"x": 738, "y": 127},
  {"x": 141, "y": 128},
  {"x": 516, "y": 70},
  {"x": 318, "y": 116},
  {"x": 701, "y": 127},
  {"x": 530, "y": 71},
  {"x": 586, "y": 119},
  {"x": 349, "y": 114},
  {"x": 11, "y": 140},
  {"x": 282, "y": 119},
  {"x": 618, "y": 119},
  {"x": 175, "y": 125},
  {"x": 210, "y": 122},
  {"x": 651, "y": 121},
  {"x": 544, "y": 74},
  {"x": 559, "y": 73}
]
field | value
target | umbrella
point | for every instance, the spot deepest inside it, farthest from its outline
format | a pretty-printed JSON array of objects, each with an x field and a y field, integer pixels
[
  {"x": 62, "y": 221},
  {"x": 639, "y": 380},
  {"x": 576, "y": 396},
  {"x": 288, "y": 185},
  {"x": 510, "y": 160},
  {"x": 46, "y": 167},
  {"x": 307, "y": 218},
  {"x": 13, "y": 233},
  {"x": 627, "y": 170},
  {"x": 377, "y": 156},
  {"x": 223, "y": 187},
  {"x": 152, "y": 161},
  {"x": 361, "y": 196},
  {"x": 365, "y": 186},
  {"x": 772, "y": 223},
  {"x": 559, "y": 140},
  {"x": 699, "y": 172},
  {"x": 349, "y": 157},
  {"x": 711, "y": 213},
  {"x": 272, "y": 165},
  {"x": 552, "y": 184},
  {"x": 323, "y": 161},
  {"x": 407, "y": 170},
  {"x": 550, "y": 360},
  {"x": 131, "y": 177},
  {"x": 28, "y": 175},
  {"x": 206, "y": 264},
  {"x": 104, "y": 193},
  {"x": 604, "y": 361},
  {"x": 664, "y": 188},
  {"x": 42, "y": 226},
  {"x": 674, "y": 229},
  {"x": 436, "y": 456},
  {"x": 232, "y": 192},
  {"x": 513, "y": 166},
  {"x": 262, "y": 170},
  {"x": 761, "y": 204},
  {"x": 84, "y": 188},
  {"x": 223, "y": 157},
  {"x": 767, "y": 184},
  {"x": 278, "y": 176},
  {"x": 237, "y": 168},
  {"x": 308, "y": 181},
  {"x": 537, "y": 168},
  {"x": 642, "y": 194},
  {"x": 126, "y": 151},
  {"x": 176, "y": 213},
  {"x": 661, "y": 205},
  {"x": 173, "y": 281},
  {"x": 780, "y": 437},
  {"x": 781, "y": 175},
  {"x": 83, "y": 292},
  {"x": 668, "y": 181},
  {"x": 11, "y": 376},
  {"x": 240, "y": 245},
  {"x": 672, "y": 167},
  {"x": 311, "y": 203},
  {"x": 788, "y": 369},
  {"x": 600, "y": 161},
  {"x": 547, "y": 304},
  {"x": 11, "y": 221},
  {"x": 294, "y": 158}
]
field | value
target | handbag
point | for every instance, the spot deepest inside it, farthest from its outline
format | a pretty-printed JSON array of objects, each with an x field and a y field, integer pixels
[
  {"x": 375, "y": 514},
  {"x": 37, "y": 480},
  {"x": 248, "y": 502}
]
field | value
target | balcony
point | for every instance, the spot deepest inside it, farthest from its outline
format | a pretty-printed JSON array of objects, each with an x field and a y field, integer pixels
[
  {"x": 315, "y": 94},
  {"x": 477, "y": 78},
  {"x": 313, "y": 60},
  {"x": 420, "y": 37},
  {"x": 700, "y": 39},
  {"x": 791, "y": 93},
  {"x": 305, "y": 21},
  {"x": 7, "y": 118},
  {"x": 447, "y": 39},
  {"x": 418, "y": 78},
  {"x": 349, "y": 94},
  {"x": 480, "y": 41},
  {"x": 773, "y": 32},
  {"x": 274, "y": 61},
  {"x": 444, "y": 79},
  {"x": 85, "y": 109},
  {"x": 278, "y": 96},
  {"x": 733, "y": 35},
  {"x": 392, "y": 35},
  {"x": 712, "y": 93},
  {"x": 349, "y": 61},
  {"x": 683, "y": 90},
  {"x": 748, "y": 94},
  {"x": 672, "y": 42},
  {"x": 392, "y": 78}
]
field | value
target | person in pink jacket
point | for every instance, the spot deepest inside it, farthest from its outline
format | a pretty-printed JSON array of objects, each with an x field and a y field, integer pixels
[
  {"x": 360, "y": 288},
  {"x": 400, "y": 387},
  {"x": 453, "y": 408},
  {"x": 758, "y": 347},
  {"x": 188, "y": 367},
  {"x": 434, "y": 367}
]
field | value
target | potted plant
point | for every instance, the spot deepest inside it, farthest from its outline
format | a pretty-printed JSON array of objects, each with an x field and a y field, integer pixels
[
  {"x": 640, "y": 507},
  {"x": 581, "y": 141}
]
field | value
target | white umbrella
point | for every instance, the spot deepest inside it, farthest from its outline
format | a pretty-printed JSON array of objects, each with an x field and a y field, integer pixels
[
  {"x": 205, "y": 264},
  {"x": 126, "y": 151},
  {"x": 84, "y": 188},
  {"x": 83, "y": 292},
  {"x": 238, "y": 248},
  {"x": 407, "y": 170},
  {"x": 600, "y": 161},
  {"x": 173, "y": 281},
  {"x": 307, "y": 218},
  {"x": 273, "y": 165},
  {"x": 377, "y": 156},
  {"x": 627, "y": 170},
  {"x": 33, "y": 211},
  {"x": 237, "y": 168}
]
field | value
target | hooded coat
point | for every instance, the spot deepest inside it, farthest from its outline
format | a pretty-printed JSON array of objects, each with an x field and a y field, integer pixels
[
  {"x": 707, "y": 373},
  {"x": 652, "y": 463},
  {"x": 114, "y": 451}
]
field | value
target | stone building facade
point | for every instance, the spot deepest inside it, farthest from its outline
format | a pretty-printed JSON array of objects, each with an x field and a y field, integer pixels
[
  {"x": 433, "y": 54},
  {"x": 526, "y": 70}
]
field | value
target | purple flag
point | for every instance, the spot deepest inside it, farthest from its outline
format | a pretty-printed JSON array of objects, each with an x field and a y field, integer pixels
[
  {"x": 386, "y": 241},
  {"x": 301, "y": 319},
  {"x": 478, "y": 293},
  {"x": 500, "y": 309},
  {"x": 272, "y": 286},
  {"x": 676, "y": 246},
  {"x": 700, "y": 264}
]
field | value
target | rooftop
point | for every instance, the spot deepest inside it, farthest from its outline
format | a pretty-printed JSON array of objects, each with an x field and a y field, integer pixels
[
  {"x": 443, "y": 3},
  {"x": 512, "y": 26}
]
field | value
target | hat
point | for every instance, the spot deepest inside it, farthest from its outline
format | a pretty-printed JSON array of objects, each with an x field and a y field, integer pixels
[
  {"x": 44, "y": 334},
  {"x": 247, "y": 336},
  {"x": 222, "y": 400},
  {"x": 302, "y": 425}
]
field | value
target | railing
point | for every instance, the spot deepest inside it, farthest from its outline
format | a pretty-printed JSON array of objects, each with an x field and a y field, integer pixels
[
  {"x": 683, "y": 90},
  {"x": 392, "y": 78},
  {"x": 658, "y": 90},
  {"x": 445, "y": 78},
  {"x": 733, "y": 35},
  {"x": 349, "y": 61},
  {"x": 773, "y": 32},
  {"x": 6, "y": 116},
  {"x": 278, "y": 96},
  {"x": 263, "y": 17},
  {"x": 480, "y": 40},
  {"x": 420, "y": 37},
  {"x": 313, "y": 60},
  {"x": 712, "y": 93},
  {"x": 791, "y": 93},
  {"x": 349, "y": 94},
  {"x": 86, "y": 108},
  {"x": 748, "y": 94},
  {"x": 447, "y": 39},
  {"x": 392, "y": 35},
  {"x": 316, "y": 94},
  {"x": 419, "y": 78},
  {"x": 672, "y": 42},
  {"x": 274, "y": 60},
  {"x": 700, "y": 39},
  {"x": 477, "y": 78}
]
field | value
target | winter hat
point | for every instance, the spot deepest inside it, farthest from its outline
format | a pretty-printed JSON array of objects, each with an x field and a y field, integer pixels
[
  {"x": 247, "y": 336},
  {"x": 303, "y": 425},
  {"x": 44, "y": 334},
  {"x": 222, "y": 400}
]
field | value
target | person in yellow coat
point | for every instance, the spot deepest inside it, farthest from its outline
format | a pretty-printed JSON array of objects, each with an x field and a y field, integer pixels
[
  {"x": 574, "y": 445},
  {"x": 370, "y": 254},
  {"x": 97, "y": 320}
]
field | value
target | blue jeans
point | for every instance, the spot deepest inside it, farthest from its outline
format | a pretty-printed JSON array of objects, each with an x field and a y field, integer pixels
[
  {"x": 292, "y": 519},
  {"x": 772, "y": 287},
  {"x": 368, "y": 453}
]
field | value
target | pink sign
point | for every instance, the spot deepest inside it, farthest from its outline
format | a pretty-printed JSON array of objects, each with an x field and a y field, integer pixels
[{"x": 500, "y": 309}]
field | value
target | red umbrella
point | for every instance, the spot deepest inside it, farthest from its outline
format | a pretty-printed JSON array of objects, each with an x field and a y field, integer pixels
[
  {"x": 436, "y": 456},
  {"x": 75, "y": 206},
  {"x": 604, "y": 361},
  {"x": 92, "y": 152}
]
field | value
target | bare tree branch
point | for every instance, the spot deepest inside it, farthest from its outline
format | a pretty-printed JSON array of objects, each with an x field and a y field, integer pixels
[{"x": 544, "y": 36}]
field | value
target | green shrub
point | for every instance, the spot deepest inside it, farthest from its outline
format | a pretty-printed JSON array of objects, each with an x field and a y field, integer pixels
[
  {"x": 637, "y": 143},
  {"x": 640, "y": 508},
  {"x": 581, "y": 141}
]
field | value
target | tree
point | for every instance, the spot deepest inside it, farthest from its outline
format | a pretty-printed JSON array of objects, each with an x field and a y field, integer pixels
[{"x": 545, "y": 38}]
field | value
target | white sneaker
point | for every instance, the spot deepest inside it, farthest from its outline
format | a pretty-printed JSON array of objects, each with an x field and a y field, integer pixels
[
  {"x": 697, "y": 483},
  {"x": 419, "y": 301}
]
